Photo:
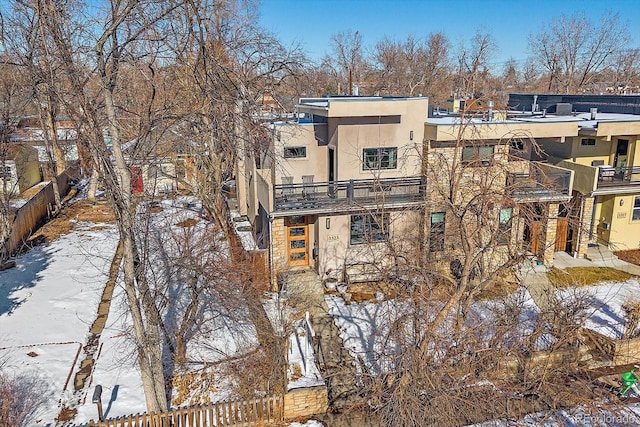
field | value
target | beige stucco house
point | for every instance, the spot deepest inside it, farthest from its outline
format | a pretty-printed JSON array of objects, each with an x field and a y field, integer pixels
[{"x": 331, "y": 190}]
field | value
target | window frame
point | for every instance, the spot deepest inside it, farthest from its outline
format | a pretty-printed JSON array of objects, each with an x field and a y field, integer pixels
[
  {"x": 582, "y": 142},
  {"x": 289, "y": 152},
  {"x": 374, "y": 228},
  {"x": 437, "y": 230},
  {"x": 477, "y": 158},
  {"x": 375, "y": 159},
  {"x": 635, "y": 209}
]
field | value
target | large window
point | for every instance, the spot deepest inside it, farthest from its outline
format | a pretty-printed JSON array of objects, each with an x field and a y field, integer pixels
[
  {"x": 295, "y": 152},
  {"x": 478, "y": 155},
  {"x": 380, "y": 158},
  {"x": 370, "y": 228},
  {"x": 436, "y": 234},
  {"x": 635, "y": 215},
  {"x": 504, "y": 226}
]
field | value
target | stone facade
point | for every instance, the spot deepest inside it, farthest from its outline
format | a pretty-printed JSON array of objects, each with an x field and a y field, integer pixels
[
  {"x": 303, "y": 402},
  {"x": 550, "y": 233},
  {"x": 585, "y": 235},
  {"x": 278, "y": 249}
]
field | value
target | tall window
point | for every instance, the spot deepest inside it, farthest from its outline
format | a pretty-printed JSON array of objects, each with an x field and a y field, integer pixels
[
  {"x": 635, "y": 216},
  {"x": 295, "y": 152},
  {"x": 369, "y": 228},
  {"x": 436, "y": 234},
  {"x": 380, "y": 158},
  {"x": 504, "y": 226},
  {"x": 479, "y": 156}
]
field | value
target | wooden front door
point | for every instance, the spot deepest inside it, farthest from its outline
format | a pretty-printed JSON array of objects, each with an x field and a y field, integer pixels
[
  {"x": 297, "y": 230},
  {"x": 561, "y": 234},
  {"x": 534, "y": 237}
]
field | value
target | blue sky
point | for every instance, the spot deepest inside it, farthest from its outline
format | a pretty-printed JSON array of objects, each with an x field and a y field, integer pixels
[{"x": 311, "y": 23}]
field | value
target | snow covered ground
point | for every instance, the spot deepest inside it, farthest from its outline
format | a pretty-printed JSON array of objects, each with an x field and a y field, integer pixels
[
  {"x": 50, "y": 299},
  {"x": 606, "y": 315},
  {"x": 47, "y": 304}
]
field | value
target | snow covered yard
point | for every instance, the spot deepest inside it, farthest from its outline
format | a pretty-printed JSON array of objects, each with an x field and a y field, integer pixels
[
  {"x": 49, "y": 301},
  {"x": 47, "y": 304},
  {"x": 605, "y": 314}
]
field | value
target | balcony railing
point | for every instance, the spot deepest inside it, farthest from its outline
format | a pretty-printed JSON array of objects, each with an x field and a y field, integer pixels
[
  {"x": 361, "y": 192},
  {"x": 542, "y": 181},
  {"x": 609, "y": 176}
]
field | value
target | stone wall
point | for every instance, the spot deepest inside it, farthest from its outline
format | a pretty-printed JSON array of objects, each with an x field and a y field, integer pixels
[
  {"x": 627, "y": 352},
  {"x": 303, "y": 402}
]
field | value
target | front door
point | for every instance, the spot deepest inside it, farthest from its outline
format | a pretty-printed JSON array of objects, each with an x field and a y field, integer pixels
[
  {"x": 562, "y": 244},
  {"x": 620, "y": 159},
  {"x": 297, "y": 240}
]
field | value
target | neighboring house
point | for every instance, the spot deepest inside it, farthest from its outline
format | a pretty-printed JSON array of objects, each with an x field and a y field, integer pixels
[
  {"x": 160, "y": 164},
  {"x": 329, "y": 190},
  {"x": 29, "y": 131},
  {"x": 492, "y": 154},
  {"x": 19, "y": 169},
  {"x": 604, "y": 152}
]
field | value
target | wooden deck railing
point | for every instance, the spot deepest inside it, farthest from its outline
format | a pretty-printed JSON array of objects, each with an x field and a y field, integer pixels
[{"x": 255, "y": 412}]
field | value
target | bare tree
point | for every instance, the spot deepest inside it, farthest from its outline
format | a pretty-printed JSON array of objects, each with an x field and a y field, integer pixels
[
  {"x": 573, "y": 49},
  {"x": 473, "y": 64},
  {"x": 346, "y": 60},
  {"x": 413, "y": 66}
]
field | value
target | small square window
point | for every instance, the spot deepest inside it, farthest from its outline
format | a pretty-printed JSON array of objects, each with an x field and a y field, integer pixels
[
  {"x": 295, "y": 152},
  {"x": 588, "y": 142}
]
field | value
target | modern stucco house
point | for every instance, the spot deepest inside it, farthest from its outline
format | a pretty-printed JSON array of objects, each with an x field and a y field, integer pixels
[
  {"x": 330, "y": 189},
  {"x": 352, "y": 177}
]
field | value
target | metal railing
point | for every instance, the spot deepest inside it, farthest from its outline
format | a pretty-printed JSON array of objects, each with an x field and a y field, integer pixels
[
  {"x": 353, "y": 192},
  {"x": 609, "y": 176},
  {"x": 541, "y": 181}
]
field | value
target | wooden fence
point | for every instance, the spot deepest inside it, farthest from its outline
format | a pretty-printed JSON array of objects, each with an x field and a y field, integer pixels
[
  {"x": 256, "y": 412},
  {"x": 29, "y": 217}
]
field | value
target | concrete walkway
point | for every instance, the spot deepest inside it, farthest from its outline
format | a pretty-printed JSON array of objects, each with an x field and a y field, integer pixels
[
  {"x": 534, "y": 278},
  {"x": 305, "y": 291}
]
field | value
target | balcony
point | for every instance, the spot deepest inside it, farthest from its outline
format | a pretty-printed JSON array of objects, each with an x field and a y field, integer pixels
[
  {"x": 609, "y": 176},
  {"x": 542, "y": 183},
  {"x": 348, "y": 195}
]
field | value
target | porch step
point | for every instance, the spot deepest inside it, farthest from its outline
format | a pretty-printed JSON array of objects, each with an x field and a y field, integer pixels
[{"x": 599, "y": 253}]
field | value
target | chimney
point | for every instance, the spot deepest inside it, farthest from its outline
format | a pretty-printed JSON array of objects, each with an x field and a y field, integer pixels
[
  {"x": 490, "y": 110},
  {"x": 593, "y": 111}
]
